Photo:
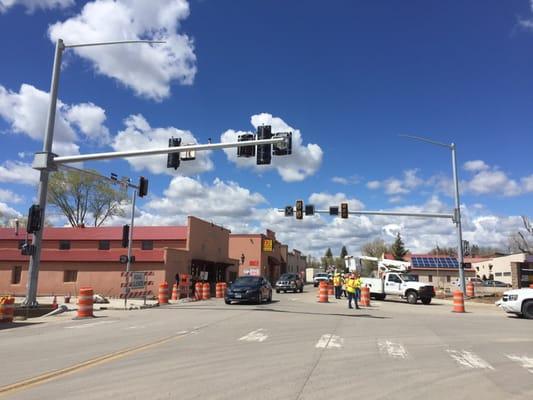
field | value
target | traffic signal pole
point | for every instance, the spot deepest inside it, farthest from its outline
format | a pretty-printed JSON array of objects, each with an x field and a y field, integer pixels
[{"x": 130, "y": 245}]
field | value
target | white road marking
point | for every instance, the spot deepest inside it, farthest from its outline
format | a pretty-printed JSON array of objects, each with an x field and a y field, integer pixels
[
  {"x": 392, "y": 349},
  {"x": 469, "y": 360},
  {"x": 527, "y": 362},
  {"x": 329, "y": 341},
  {"x": 258, "y": 335},
  {"x": 136, "y": 327},
  {"x": 90, "y": 325}
]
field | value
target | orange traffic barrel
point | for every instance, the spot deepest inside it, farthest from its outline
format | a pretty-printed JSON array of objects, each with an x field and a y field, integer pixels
[
  {"x": 365, "y": 296},
  {"x": 219, "y": 293},
  {"x": 206, "y": 291},
  {"x": 323, "y": 292},
  {"x": 198, "y": 290},
  {"x": 163, "y": 293},
  {"x": 470, "y": 289},
  {"x": 85, "y": 303},
  {"x": 458, "y": 302},
  {"x": 330, "y": 289},
  {"x": 175, "y": 292},
  {"x": 7, "y": 308},
  {"x": 531, "y": 286}
]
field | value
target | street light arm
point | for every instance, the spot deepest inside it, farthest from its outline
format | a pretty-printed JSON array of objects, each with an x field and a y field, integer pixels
[
  {"x": 422, "y": 139},
  {"x": 109, "y": 43}
]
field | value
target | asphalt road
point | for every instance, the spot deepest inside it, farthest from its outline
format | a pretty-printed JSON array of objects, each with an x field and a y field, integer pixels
[{"x": 293, "y": 348}]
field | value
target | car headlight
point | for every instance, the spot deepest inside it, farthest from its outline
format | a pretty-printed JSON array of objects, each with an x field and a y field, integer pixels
[{"x": 512, "y": 297}]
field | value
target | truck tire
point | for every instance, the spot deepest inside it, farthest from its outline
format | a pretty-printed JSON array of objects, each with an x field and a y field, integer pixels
[
  {"x": 426, "y": 300},
  {"x": 527, "y": 309},
  {"x": 277, "y": 290},
  {"x": 381, "y": 296},
  {"x": 412, "y": 297}
]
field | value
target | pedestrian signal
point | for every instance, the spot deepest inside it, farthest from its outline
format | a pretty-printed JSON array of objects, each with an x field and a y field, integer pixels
[
  {"x": 289, "y": 211},
  {"x": 310, "y": 209}
]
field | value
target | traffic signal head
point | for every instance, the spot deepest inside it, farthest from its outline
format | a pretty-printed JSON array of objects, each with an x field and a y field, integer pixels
[
  {"x": 299, "y": 209},
  {"x": 310, "y": 209},
  {"x": 284, "y": 148},
  {"x": 245, "y": 151},
  {"x": 34, "y": 219},
  {"x": 344, "y": 210},
  {"x": 173, "y": 159},
  {"x": 143, "y": 186},
  {"x": 334, "y": 211},
  {"x": 264, "y": 151},
  {"x": 125, "y": 235}
]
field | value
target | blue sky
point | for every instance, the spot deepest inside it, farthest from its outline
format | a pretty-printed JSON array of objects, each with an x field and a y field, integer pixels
[{"x": 348, "y": 76}]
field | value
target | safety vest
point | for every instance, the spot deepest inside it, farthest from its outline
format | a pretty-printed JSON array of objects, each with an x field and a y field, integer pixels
[
  {"x": 337, "y": 281},
  {"x": 351, "y": 285},
  {"x": 358, "y": 283}
]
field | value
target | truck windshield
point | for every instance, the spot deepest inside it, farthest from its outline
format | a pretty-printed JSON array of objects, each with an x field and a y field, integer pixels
[{"x": 409, "y": 278}]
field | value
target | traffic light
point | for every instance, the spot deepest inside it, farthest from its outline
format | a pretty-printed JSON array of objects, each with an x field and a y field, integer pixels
[
  {"x": 334, "y": 211},
  {"x": 143, "y": 186},
  {"x": 173, "y": 159},
  {"x": 264, "y": 151},
  {"x": 125, "y": 235},
  {"x": 289, "y": 211},
  {"x": 245, "y": 151},
  {"x": 299, "y": 209},
  {"x": 283, "y": 148},
  {"x": 344, "y": 210},
  {"x": 34, "y": 219},
  {"x": 310, "y": 209}
]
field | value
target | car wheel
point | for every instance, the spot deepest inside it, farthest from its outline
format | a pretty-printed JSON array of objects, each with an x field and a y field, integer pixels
[
  {"x": 527, "y": 309},
  {"x": 277, "y": 290},
  {"x": 284, "y": 291},
  {"x": 315, "y": 284},
  {"x": 227, "y": 301},
  {"x": 301, "y": 289},
  {"x": 411, "y": 297},
  {"x": 426, "y": 300},
  {"x": 259, "y": 299},
  {"x": 269, "y": 300}
]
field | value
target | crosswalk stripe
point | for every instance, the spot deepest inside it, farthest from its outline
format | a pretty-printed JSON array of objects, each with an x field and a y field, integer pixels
[
  {"x": 527, "y": 362},
  {"x": 258, "y": 335},
  {"x": 329, "y": 341},
  {"x": 469, "y": 360},
  {"x": 392, "y": 349}
]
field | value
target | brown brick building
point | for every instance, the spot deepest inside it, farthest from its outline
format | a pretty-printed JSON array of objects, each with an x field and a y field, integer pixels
[{"x": 76, "y": 257}]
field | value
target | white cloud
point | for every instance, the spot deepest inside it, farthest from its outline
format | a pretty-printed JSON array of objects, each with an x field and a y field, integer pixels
[
  {"x": 475, "y": 165},
  {"x": 325, "y": 200},
  {"x": 9, "y": 197},
  {"x": 138, "y": 134},
  {"x": 32, "y": 5},
  {"x": 147, "y": 69},
  {"x": 527, "y": 23},
  {"x": 302, "y": 163},
  {"x": 527, "y": 183},
  {"x": 7, "y": 212},
  {"x": 18, "y": 172},
  {"x": 351, "y": 180},
  {"x": 90, "y": 120},
  {"x": 493, "y": 181},
  {"x": 395, "y": 186},
  {"x": 27, "y": 111}
]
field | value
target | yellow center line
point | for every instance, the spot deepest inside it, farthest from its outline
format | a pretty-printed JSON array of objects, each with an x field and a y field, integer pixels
[{"x": 49, "y": 376}]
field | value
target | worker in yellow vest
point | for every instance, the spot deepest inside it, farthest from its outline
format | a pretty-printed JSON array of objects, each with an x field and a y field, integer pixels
[
  {"x": 337, "y": 283},
  {"x": 351, "y": 289},
  {"x": 358, "y": 285}
]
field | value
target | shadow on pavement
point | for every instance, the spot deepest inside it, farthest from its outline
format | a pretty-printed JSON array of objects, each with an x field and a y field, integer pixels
[{"x": 11, "y": 325}]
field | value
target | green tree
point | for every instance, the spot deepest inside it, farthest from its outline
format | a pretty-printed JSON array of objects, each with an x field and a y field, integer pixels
[
  {"x": 327, "y": 259},
  {"x": 84, "y": 197},
  {"x": 344, "y": 252},
  {"x": 398, "y": 249}
]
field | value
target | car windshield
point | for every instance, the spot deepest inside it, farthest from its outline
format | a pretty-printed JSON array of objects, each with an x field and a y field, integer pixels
[
  {"x": 247, "y": 281},
  {"x": 286, "y": 277},
  {"x": 409, "y": 278},
  {"x": 321, "y": 275}
]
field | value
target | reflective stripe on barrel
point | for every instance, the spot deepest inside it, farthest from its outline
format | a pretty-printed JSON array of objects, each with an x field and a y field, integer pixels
[
  {"x": 470, "y": 289},
  {"x": 175, "y": 292},
  {"x": 365, "y": 296},
  {"x": 206, "y": 291},
  {"x": 85, "y": 303},
  {"x": 7, "y": 309}
]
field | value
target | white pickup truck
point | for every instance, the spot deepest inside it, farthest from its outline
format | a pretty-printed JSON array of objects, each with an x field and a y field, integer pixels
[
  {"x": 518, "y": 301},
  {"x": 400, "y": 284}
]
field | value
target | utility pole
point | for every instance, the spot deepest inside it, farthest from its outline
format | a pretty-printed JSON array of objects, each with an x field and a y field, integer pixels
[{"x": 130, "y": 245}]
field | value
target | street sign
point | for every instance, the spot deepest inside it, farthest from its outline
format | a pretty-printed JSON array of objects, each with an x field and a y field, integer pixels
[
  {"x": 203, "y": 275},
  {"x": 267, "y": 244},
  {"x": 137, "y": 280},
  {"x": 123, "y": 259}
]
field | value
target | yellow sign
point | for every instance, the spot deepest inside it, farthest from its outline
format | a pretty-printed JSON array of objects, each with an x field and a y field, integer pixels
[{"x": 267, "y": 245}]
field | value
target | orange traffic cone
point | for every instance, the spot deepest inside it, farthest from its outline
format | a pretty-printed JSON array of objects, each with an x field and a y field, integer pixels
[{"x": 54, "y": 303}]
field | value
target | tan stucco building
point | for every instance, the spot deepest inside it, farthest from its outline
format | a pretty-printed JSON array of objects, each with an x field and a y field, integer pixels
[{"x": 514, "y": 269}]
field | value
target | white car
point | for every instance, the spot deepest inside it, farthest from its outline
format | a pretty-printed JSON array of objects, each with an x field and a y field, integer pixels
[{"x": 518, "y": 301}]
